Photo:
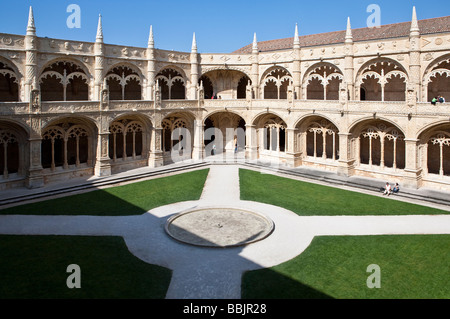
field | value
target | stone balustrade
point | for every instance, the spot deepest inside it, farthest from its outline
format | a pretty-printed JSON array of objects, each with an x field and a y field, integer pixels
[{"x": 357, "y": 107}]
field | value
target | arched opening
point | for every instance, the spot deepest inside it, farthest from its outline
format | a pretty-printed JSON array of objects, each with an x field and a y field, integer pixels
[
  {"x": 9, "y": 84},
  {"x": 323, "y": 83},
  {"x": 64, "y": 81},
  {"x": 379, "y": 143},
  {"x": 126, "y": 140},
  {"x": 271, "y": 135},
  {"x": 242, "y": 87},
  {"x": 68, "y": 144},
  {"x": 437, "y": 81},
  {"x": 124, "y": 84},
  {"x": 435, "y": 150},
  {"x": 383, "y": 80},
  {"x": 207, "y": 87},
  {"x": 225, "y": 84},
  {"x": 224, "y": 133},
  {"x": 177, "y": 137},
  {"x": 276, "y": 83},
  {"x": 321, "y": 138},
  {"x": 172, "y": 85}
]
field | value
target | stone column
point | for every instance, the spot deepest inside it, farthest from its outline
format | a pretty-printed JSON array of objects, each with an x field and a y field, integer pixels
[
  {"x": 103, "y": 162},
  {"x": 251, "y": 147},
  {"x": 412, "y": 171},
  {"x": 35, "y": 178},
  {"x": 293, "y": 156},
  {"x": 346, "y": 163},
  {"x": 198, "y": 151},
  {"x": 156, "y": 155}
]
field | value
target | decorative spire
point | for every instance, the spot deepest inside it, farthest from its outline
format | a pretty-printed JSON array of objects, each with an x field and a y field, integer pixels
[
  {"x": 296, "y": 38},
  {"x": 151, "y": 39},
  {"x": 194, "y": 44},
  {"x": 255, "y": 44},
  {"x": 414, "y": 22},
  {"x": 99, "y": 37},
  {"x": 349, "y": 35},
  {"x": 31, "y": 28}
]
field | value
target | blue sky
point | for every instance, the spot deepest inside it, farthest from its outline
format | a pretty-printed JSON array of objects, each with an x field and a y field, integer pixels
[{"x": 220, "y": 26}]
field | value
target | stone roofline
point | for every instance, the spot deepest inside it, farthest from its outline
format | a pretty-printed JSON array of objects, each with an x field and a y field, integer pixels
[
  {"x": 246, "y": 50},
  {"x": 341, "y": 33}
]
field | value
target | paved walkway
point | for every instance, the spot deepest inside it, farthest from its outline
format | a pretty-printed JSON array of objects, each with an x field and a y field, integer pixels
[{"x": 211, "y": 273}]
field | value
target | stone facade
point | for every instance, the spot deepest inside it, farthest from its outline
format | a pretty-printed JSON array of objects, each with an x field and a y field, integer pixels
[{"x": 352, "y": 106}]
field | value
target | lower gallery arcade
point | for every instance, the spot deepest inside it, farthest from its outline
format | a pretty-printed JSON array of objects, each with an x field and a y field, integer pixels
[
  {"x": 70, "y": 146},
  {"x": 355, "y": 103}
]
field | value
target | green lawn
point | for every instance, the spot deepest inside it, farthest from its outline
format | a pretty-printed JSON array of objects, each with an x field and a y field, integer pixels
[
  {"x": 35, "y": 267},
  {"x": 411, "y": 266},
  {"x": 331, "y": 267},
  {"x": 307, "y": 199},
  {"x": 335, "y": 267},
  {"x": 132, "y": 199}
]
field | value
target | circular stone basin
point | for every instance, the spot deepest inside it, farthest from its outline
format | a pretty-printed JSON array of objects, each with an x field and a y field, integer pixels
[{"x": 219, "y": 227}]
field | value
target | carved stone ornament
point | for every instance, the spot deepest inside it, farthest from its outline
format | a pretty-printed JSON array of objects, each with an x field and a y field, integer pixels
[
  {"x": 35, "y": 100},
  {"x": 411, "y": 96}
]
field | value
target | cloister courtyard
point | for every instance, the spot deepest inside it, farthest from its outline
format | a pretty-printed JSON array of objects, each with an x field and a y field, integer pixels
[
  {"x": 324, "y": 238},
  {"x": 145, "y": 173}
]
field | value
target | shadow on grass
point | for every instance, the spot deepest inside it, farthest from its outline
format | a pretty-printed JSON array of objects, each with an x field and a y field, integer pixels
[
  {"x": 35, "y": 267},
  {"x": 132, "y": 199},
  {"x": 33, "y": 263}
]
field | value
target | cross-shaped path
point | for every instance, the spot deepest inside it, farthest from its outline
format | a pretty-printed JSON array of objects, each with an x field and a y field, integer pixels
[{"x": 212, "y": 273}]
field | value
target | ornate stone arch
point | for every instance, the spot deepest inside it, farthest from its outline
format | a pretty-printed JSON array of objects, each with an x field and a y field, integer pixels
[
  {"x": 10, "y": 82},
  {"x": 175, "y": 68},
  {"x": 172, "y": 122},
  {"x": 129, "y": 136},
  {"x": 271, "y": 132},
  {"x": 69, "y": 143},
  {"x": 125, "y": 82},
  {"x": 13, "y": 144},
  {"x": 172, "y": 82},
  {"x": 275, "y": 83},
  {"x": 382, "y": 79},
  {"x": 436, "y": 79},
  {"x": 324, "y": 74},
  {"x": 434, "y": 149},
  {"x": 69, "y": 59},
  {"x": 17, "y": 69},
  {"x": 64, "y": 79},
  {"x": 378, "y": 143}
]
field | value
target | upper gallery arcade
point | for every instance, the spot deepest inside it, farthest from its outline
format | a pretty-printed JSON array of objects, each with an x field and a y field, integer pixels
[{"x": 356, "y": 102}]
